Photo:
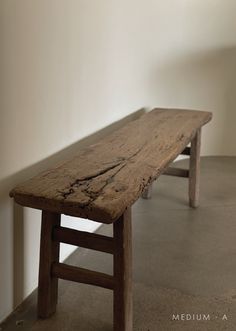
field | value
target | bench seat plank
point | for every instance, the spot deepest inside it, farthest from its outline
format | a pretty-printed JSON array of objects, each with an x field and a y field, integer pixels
[{"x": 101, "y": 181}]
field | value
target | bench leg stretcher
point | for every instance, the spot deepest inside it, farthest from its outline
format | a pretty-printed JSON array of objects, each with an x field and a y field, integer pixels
[
  {"x": 50, "y": 270},
  {"x": 120, "y": 246},
  {"x": 193, "y": 174}
]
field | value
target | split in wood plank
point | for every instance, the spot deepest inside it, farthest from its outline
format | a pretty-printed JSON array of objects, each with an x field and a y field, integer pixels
[
  {"x": 101, "y": 183},
  {"x": 104, "y": 179}
]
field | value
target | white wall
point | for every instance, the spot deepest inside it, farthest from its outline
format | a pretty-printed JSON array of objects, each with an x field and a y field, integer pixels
[{"x": 71, "y": 67}]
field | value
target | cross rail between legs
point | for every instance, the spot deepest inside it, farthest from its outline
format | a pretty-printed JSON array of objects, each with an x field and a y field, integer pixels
[
  {"x": 50, "y": 270},
  {"x": 193, "y": 173},
  {"x": 98, "y": 183}
]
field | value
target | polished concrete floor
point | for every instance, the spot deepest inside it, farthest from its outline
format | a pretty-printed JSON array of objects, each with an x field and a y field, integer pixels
[{"x": 184, "y": 263}]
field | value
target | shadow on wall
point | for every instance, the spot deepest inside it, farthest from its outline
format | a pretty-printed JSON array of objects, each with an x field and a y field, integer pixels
[
  {"x": 204, "y": 81},
  {"x": 13, "y": 265}
]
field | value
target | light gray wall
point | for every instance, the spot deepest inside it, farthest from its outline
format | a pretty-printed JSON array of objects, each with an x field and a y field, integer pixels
[{"x": 71, "y": 67}]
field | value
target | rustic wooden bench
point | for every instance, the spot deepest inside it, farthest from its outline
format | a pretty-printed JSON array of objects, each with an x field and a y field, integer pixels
[{"x": 101, "y": 183}]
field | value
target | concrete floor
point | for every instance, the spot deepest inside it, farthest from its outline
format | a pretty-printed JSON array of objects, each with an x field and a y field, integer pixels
[{"x": 184, "y": 263}]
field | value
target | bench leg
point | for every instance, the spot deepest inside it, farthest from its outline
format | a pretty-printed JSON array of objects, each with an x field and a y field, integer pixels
[
  {"x": 123, "y": 319},
  {"x": 147, "y": 194},
  {"x": 49, "y": 253},
  {"x": 194, "y": 170}
]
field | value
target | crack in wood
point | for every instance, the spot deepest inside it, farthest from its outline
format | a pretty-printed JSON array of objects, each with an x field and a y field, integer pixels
[
  {"x": 86, "y": 180},
  {"x": 107, "y": 177}
]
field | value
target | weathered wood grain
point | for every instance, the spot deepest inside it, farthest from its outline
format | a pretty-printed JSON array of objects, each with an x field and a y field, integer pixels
[
  {"x": 80, "y": 275},
  {"x": 84, "y": 239},
  {"x": 122, "y": 265},
  {"x": 171, "y": 171},
  {"x": 105, "y": 178},
  {"x": 49, "y": 253},
  {"x": 147, "y": 193},
  {"x": 194, "y": 170}
]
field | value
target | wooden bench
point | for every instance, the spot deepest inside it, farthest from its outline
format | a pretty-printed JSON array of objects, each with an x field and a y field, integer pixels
[{"x": 101, "y": 183}]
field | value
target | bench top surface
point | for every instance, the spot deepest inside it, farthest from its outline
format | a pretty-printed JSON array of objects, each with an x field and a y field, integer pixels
[{"x": 102, "y": 180}]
